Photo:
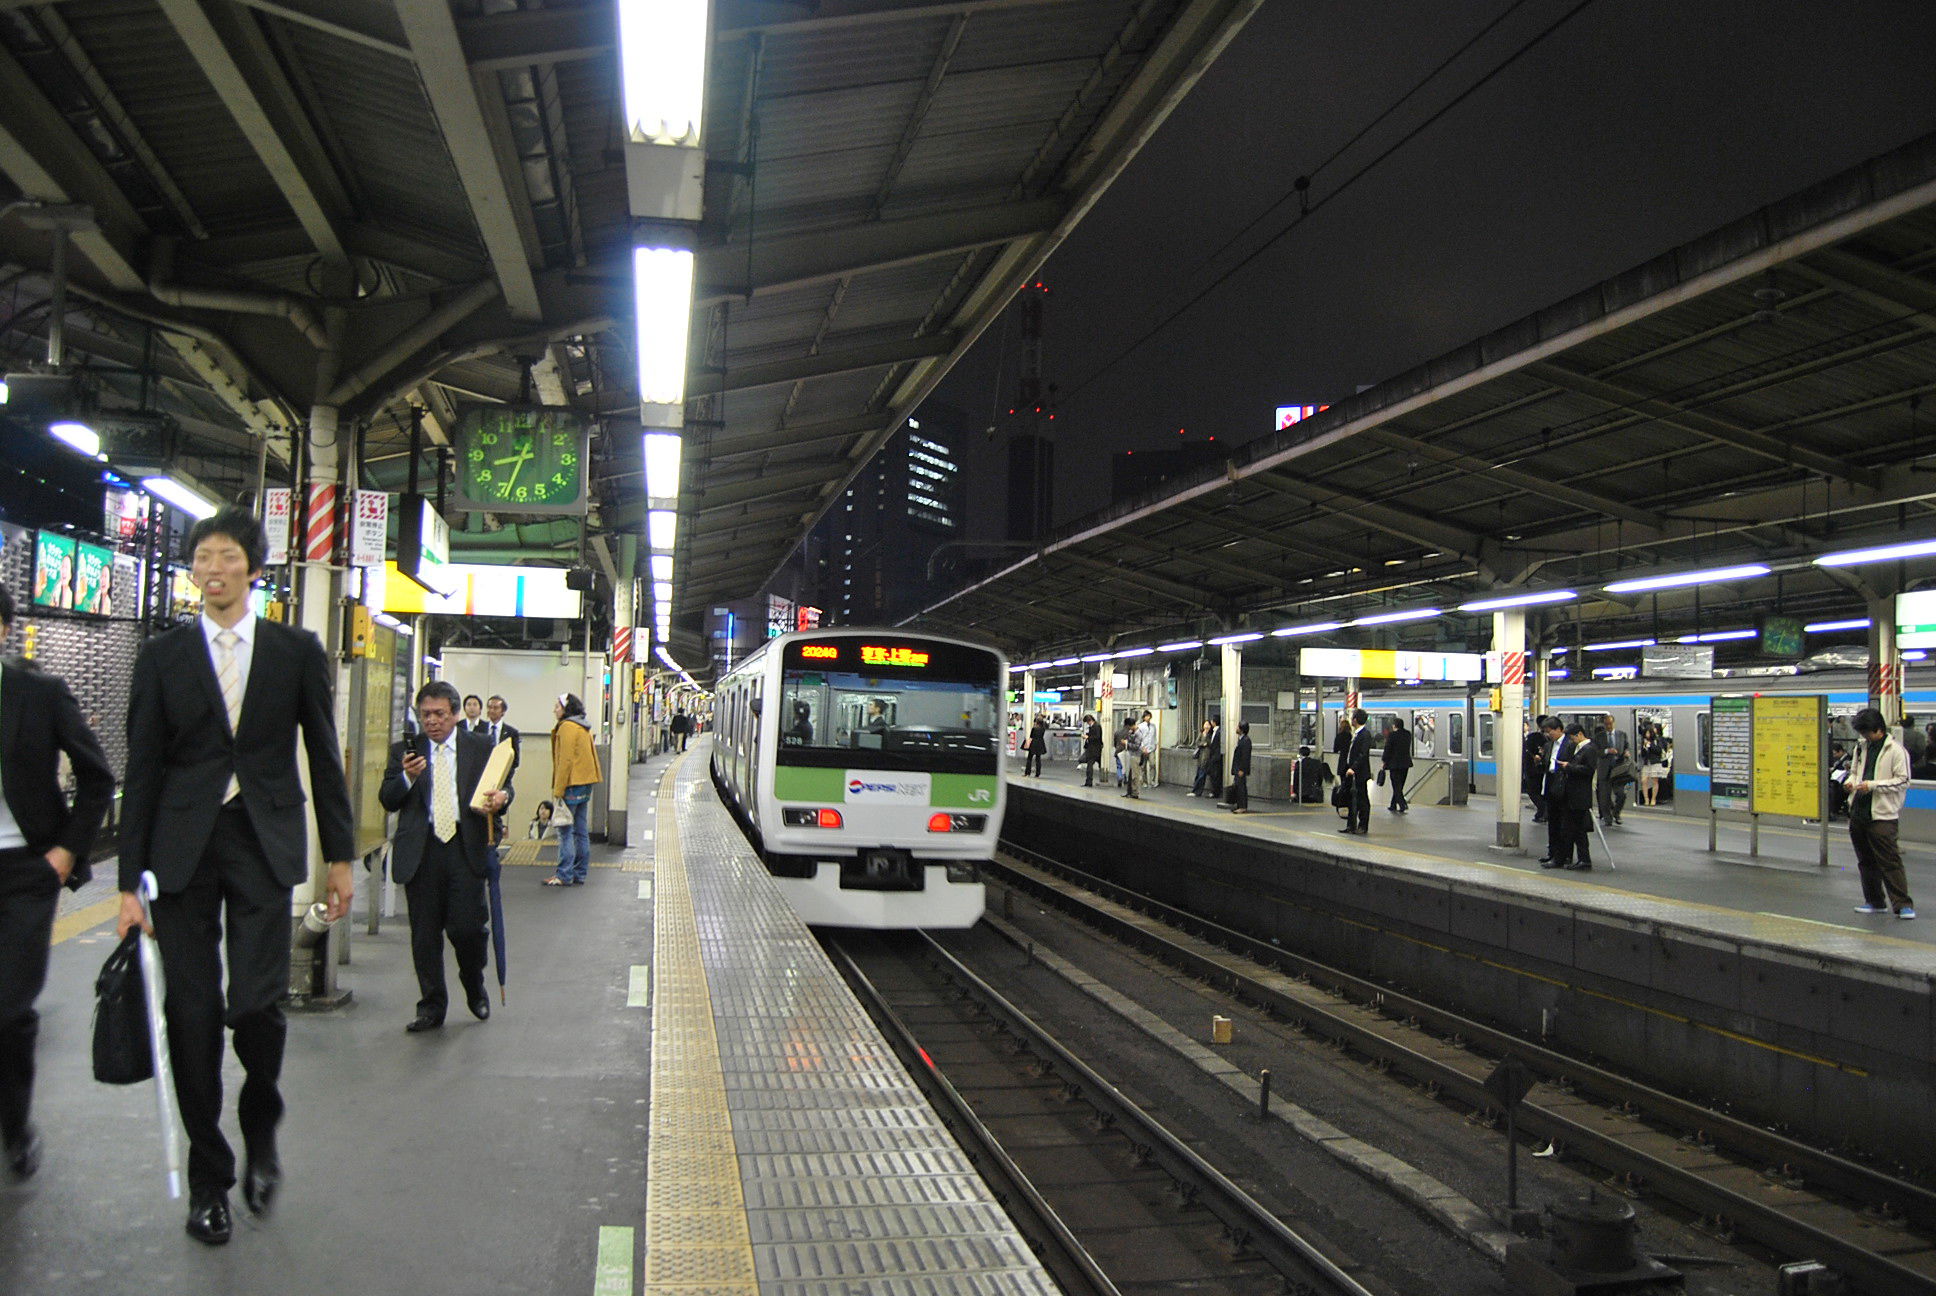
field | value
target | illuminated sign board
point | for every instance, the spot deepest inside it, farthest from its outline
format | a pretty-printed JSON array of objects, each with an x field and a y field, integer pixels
[
  {"x": 423, "y": 545},
  {"x": 1916, "y": 619},
  {"x": 820, "y": 652},
  {"x": 1353, "y": 663},
  {"x": 476, "y": 591},
  {"x": 1287, "y": 415},
  {"x": 875, "y": 655}
]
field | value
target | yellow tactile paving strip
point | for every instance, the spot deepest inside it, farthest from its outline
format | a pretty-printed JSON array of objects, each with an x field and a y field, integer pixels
[{"x": 696, "y": 1238}]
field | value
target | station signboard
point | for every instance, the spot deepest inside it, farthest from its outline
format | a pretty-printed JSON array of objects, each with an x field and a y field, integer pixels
[
  {"x": 1916, "y": 619},
  {"x": 1677, "y": 661},
  {"x": 1355, "y": 663}
]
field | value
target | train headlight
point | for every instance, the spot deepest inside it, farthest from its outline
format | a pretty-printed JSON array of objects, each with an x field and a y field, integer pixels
[
  {"x": 809, "y": 818},
  {"x": 943, "y": 822}
]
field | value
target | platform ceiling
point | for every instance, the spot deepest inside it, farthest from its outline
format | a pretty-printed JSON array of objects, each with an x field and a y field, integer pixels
[
  {"x": 1757, "y": 395},
  {"x": 396, "y": 205}
]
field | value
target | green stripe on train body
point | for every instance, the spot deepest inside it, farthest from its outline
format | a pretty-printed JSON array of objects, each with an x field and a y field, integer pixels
[
  {"x": 963, "y": 791},
  {"x": 804, "y": 783}
]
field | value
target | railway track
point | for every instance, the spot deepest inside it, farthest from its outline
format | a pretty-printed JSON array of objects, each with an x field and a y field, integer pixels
[
  {"x": 1109, "y": 1198},
  {"x": 1739, "y": 1179}
]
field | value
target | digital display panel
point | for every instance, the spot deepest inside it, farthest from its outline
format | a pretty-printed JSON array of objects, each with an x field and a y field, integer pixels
[
  {"x": 820, "y": 652},
  {"x": 879, "y": 655}
]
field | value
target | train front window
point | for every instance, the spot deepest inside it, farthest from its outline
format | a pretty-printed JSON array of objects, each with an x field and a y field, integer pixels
[{"x": 891, "y": 705}]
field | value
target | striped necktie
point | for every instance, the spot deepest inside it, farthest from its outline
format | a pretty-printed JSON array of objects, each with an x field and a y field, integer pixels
[
  {"x": 443, "y": 793},
  {"x": 228, "y": 673}
]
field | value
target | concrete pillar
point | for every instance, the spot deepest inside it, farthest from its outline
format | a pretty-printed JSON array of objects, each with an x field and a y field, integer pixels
[
  {"x": 618, "y": 777},
  {"x": 318, "y": 586},
  {"x": 1885, "y": 661},
  {"x": 1232, "y": 700},
  {"x": 1322, "y": 747},
  {"x": 1509, "y": 642},
  {"x": 1539, "y": 682}
]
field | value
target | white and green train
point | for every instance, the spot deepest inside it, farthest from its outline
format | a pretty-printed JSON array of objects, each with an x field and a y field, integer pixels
[{"x": 865, "y": 768}]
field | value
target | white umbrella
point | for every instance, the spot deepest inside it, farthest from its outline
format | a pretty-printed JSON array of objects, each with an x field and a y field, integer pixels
[{"x": 151, "y": 981}]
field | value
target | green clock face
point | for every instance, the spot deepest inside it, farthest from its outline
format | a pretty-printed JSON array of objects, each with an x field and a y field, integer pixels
[{"x": 521, "y": 459}]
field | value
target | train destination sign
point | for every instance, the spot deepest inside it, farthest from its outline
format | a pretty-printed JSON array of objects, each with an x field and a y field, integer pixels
[{"x": 876, "y": 655}]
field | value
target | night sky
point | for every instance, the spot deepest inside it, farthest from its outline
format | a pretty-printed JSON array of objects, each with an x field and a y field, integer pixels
[{"x": 1634, "y": 126}]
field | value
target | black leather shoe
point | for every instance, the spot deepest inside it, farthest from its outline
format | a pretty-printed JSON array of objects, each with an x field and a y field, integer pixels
[
  {"x": 1581, "y": 868},
  {"x": 23, "y": 1158},
  {"x": 424, "y": 1022},
  {"x": 480, "y": 1005},
  {"x": 208, "y": 1219},
  {"x": 260, "y": 1182},
  {"x": 1553, "y": 864}
]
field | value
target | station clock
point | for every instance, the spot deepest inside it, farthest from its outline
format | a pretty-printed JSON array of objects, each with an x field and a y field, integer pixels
[{"x": 521, "y": 459}]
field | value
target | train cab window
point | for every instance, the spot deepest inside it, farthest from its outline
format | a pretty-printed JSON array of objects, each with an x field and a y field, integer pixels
[
  {"x": 1486, "y": 725},
  {"x": 1455, "y": 733},
  {"x": 1703, "y": 740},
  {"x": 915, "y": 705}
]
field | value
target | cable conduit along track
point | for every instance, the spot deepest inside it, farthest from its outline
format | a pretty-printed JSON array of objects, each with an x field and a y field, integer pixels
[{"x": 1740, "y": 1175}]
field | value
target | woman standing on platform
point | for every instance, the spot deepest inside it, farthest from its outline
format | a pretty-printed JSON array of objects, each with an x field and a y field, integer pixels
[{"x": 574, "y": 770}]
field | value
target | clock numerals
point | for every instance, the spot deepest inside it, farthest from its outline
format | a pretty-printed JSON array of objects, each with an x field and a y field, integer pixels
[
  {"x": 485, "y": 475},
  {"x": 487, "y": 438},
  {"x": 476, "y": 455},
  {"x": 561, "y": 440},
  {"x": 568, "y": 458},
  {"x": 558, "y": 477}
]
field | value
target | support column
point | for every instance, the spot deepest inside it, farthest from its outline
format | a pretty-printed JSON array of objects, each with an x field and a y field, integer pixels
[
  {"x": 618, "y": 773},
  {"x": 1509, "y": 643},
  {"x": 1232, "y": 699},
  {"x": 1322, "y": 747},
  {"x": 1885, "y": 661},
  {"x": 1541, "y": 682}
]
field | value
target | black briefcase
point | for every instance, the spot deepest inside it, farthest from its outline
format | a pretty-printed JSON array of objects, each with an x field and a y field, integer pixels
[{"x": 122, "y": 1052}]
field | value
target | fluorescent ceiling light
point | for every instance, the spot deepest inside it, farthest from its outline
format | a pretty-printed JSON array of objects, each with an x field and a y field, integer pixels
[
  {"x": 662, "y": 465},
  {"x": 1616, "y": 672},
  {"x": 1517, "y": 600},
  {"x": 1132, "y": 652},
  {"x": 661, "y": 567},
  {"x": 662, "y": 60},
  {"x": 1386, "y": 618},
  {"x": 661, "y": 529},
  {"x": 1097, "y": 657},
  {"x": 1617, "y": 645},
  {"x": 1032, "y": 666},
  {"x": 189, "y": 501},
  {"x": 1686, "y": 578},
  {"x": 662, "y": 593},
  {"x": 1717, "y": 636},
  {"x": 1065, "y": 661},
  {"x": 1822, "y": 627},
  {"x": 79, "y": 435},
  {"x": 1249, "y": 636},
  {"x": 662, "y": 288},
  {"x": 1181, "y": 645},
  {"x": 1879, "y": 553},
  {"x": 1556, "y": 652},
  {"x": 1557, "y": 674},
  {"x": 1914, "y": 654},
  {"x": 1316, "y": 627}
]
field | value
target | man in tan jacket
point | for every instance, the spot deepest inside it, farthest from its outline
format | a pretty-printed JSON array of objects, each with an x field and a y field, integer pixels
[{"x": 1878, "y": 784}]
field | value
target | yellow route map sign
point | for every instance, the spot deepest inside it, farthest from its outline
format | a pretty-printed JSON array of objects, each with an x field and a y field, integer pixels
[{"x": 1789, "y": 768}]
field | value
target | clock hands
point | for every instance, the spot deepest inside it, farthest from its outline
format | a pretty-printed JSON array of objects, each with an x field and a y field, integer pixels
[{"x": 517, "y": 461}]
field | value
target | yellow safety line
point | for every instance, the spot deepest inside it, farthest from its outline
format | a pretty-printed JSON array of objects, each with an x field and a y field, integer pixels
[
  {"x": 71, "y": 925},
  {"x": 696, "y": 1234}
]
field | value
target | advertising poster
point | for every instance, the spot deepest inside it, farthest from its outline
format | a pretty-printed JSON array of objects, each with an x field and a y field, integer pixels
[
  {"x": 1790, "y": 761},
  {"x": 54, "y": 571},
  {"x": 93, "y": 575},
  {"x": 275, "y": 523}
]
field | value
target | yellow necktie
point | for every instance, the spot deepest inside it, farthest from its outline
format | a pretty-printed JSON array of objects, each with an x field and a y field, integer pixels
[{"x": 443, "y": 794}]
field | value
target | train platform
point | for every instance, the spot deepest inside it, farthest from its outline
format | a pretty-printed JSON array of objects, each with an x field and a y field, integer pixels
[
  {"x": 679, "y": 1093},
  {"x": 1733, "y": 979},
  {"x": 1653, "y": 853}
]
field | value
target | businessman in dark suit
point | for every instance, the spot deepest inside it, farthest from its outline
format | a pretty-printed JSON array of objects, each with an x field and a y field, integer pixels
[
  {"x": 442, "y": 851},
  {"x": 497, "y": 729},
  {"x": 1357, "y": 775},
  {"x": 1569, "y": 799},
  {"x": 44, "y": 843},
  {"x": 214, "y": 808}
]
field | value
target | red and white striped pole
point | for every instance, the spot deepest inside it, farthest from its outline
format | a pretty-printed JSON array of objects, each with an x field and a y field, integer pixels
[{"x": 319, "y": 523}]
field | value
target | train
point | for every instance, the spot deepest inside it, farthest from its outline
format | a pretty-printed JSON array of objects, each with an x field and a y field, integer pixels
[
  {"x": 1457, "y": 726},
  {"x": 864, "y": 767}
]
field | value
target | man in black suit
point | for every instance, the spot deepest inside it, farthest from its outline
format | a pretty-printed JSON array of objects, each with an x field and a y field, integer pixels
[
  {"x": 497, "y": 729},
  {"x": 43, "y": 846},
  {"x": 1552, "y": 781},
  {"x": 441, "y": 852},
  {"x": 1357, "y": 775},
  {"x": 1575, "y": 763},
  {"x": 214, "y": 809}
]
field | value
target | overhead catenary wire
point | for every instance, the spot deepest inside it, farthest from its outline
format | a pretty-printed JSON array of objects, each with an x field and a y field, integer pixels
[{"x": 1319, "y": 204}]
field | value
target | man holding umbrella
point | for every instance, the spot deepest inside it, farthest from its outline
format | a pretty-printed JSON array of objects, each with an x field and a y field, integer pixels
[{"x": 442, "y": 851}]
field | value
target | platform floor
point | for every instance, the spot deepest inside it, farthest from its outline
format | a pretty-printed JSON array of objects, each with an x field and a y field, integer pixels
[{"x": 1782, "y": 895}]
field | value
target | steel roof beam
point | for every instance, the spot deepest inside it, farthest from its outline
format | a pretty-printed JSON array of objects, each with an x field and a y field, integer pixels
[
  {"x": 1874, "y": 284},
  {"x": 827, "y": 364},
  {"x": 370, "y": 23},
  {"x": 1175, "y": 591},
  {"x": 1184, "y": 553},
  {"x": 797, "y": 437},
  {"x": 231, "y": 51},
  {"x": 455, "y": 102},
  {"x": 1532, "y": 483},
  {"x": 1623, "y": 396},
  {"x": 798, "y": 260},
  {"x": 765, "y": 486},
  {"x": 1429, "y": 532}
]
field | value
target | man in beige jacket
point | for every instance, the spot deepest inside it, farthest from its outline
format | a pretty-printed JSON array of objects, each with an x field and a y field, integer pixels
[{"x": 1878, "y": 784}]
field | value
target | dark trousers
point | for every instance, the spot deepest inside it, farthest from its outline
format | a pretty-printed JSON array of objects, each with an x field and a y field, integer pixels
[
  {"x": 1559, "y": 832},
  {"x": 1612, "y": 797},
  {"x": 1360, "y": 816},
  {"x": 1240, "y": 791},
  {"x": 1879, "y": 861},
  {"x": 1032, "y": 764},
  {"x": 446, "y": 900},
  {"x": 232, "y": 893},
  {"x": 1396, "y": 775},
  {"x": 29, "y": 892},
  {"x": 1579, "y": 832},
  {"x": 1538, "y": 797}
]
